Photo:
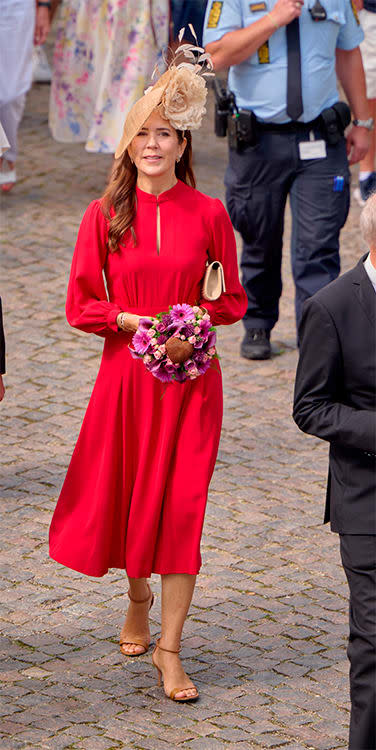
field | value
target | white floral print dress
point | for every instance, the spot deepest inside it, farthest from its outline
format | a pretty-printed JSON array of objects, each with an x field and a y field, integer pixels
[{"x": 104, "y": 56}]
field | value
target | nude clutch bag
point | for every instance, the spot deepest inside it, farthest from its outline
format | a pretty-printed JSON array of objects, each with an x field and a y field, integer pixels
[{"x": 214, "y": 281}]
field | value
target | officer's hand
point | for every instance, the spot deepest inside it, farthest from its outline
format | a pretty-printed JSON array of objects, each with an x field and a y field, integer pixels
[
  {"x": 358, "y": 143},
  {"x": 285, "y": 11}
]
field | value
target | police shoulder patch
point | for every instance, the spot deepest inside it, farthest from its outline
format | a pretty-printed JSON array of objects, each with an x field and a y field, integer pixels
[
  {"x": 355, "y": 11},
  {"x": 214, "y": 14},
  {"x": 255, "y": 7}
]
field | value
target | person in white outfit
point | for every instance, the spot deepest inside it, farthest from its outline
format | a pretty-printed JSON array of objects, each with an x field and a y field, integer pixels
[{"x": 22, "y": 22}]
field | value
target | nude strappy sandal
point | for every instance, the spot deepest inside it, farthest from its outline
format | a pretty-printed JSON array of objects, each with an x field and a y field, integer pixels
[
  {"x": 174, "y": 691},
  {"x": 135, "y": 640}
]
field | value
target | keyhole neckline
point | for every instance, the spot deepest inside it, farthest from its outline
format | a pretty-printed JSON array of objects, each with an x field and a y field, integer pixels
[{"x": 169, "y": 194}]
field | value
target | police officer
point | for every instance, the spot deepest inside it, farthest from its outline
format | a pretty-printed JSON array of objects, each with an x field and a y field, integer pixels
[{"x": 283, "y": 57}]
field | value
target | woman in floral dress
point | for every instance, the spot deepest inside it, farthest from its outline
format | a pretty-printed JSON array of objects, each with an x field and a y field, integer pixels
[{"x": 105, "y": 53}]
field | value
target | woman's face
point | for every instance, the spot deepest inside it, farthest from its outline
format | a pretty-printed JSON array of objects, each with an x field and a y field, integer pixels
[{"x": 156, "y": 148}]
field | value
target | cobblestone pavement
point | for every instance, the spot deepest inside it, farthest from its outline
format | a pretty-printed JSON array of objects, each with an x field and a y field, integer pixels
[{"x": 265, "y": 639}]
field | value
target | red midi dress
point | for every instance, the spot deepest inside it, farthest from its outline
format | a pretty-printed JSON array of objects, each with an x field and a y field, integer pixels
[{"x": 135, "y": 492}]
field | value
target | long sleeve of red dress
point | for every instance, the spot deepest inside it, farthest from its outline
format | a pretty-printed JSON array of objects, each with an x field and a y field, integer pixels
[
  {"x": 232, "y": 304},
  {"x": 87, "y": 306}
]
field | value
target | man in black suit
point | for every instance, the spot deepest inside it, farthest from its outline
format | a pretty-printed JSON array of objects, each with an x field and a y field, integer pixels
[{"x": 335, "y": 399}]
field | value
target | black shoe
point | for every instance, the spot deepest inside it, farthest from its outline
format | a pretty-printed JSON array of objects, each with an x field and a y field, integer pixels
[{"x": 256, "y": 344}]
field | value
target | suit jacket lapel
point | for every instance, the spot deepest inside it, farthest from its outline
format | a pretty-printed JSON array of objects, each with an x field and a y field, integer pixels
[{"x": 364, "y": 291}]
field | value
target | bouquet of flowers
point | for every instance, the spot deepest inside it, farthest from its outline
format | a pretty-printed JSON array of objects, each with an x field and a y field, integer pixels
[{"x": 176, "y": 345}]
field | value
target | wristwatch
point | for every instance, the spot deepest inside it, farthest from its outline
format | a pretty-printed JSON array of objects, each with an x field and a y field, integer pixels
[
  {"x": 44, "y": 4},
  {"x": 364, "y": 123}
]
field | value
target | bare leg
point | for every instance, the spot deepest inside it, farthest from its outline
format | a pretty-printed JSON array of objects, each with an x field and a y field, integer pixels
[
  {"x": 137, "y": 620},
  {"x": 177, "y": 592},
  {"x": 368, "y": 163}
]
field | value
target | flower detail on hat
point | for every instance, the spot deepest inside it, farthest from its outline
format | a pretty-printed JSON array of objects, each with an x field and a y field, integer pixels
[
  {"x": 179, "y": 93},
  {"x": 183, "y": 101}
]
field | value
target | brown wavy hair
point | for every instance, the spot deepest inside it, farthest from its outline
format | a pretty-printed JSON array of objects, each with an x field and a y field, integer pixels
[{"x": 120, "y": 194}]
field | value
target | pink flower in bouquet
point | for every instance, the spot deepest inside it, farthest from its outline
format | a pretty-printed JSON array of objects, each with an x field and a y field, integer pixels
[
  {"x": 196, "y": 309},
  {"x": 141, "y": 341},
  {"x": 181, "y": 313},
  {"x": 191, "y": 369},
  {"x": 211, "y": 351},
  {"x": 192, "y": 339}
]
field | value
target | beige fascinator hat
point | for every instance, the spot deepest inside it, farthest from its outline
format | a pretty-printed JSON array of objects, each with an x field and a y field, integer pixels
[{"x": 179, "y": 94}]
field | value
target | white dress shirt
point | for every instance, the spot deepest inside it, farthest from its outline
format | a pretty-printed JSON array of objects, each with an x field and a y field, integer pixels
[{"x": 370, "y": 270}]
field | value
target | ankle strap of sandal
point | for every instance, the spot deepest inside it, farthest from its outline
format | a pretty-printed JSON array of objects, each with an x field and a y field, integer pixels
[
  {"x": 140, "y": 601},
  {"x": 168, "y": 650}
]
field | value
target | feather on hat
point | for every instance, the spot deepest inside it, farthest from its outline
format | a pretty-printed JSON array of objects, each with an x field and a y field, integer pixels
[{"x": 179, "y": 94}]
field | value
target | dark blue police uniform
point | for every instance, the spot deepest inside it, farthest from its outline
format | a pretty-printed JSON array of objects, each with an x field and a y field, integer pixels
[{"x": 260, "y": 177}]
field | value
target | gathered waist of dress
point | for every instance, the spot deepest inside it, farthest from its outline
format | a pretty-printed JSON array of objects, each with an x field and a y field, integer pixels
[{"x": 153, "y": 309}]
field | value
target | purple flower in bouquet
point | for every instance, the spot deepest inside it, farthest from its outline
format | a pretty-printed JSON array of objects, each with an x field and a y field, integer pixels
[
  {"x": 207, "y": 341},
  {"x": 180, "y": 314},
  {"x": 180, "y": 376},
  {"x": 188, "y": 330},
  {"x": 212, "y": 340},
  {"x": 202, "y": 361},
  {"x": 145, "y": 324},
  {"x": 166, "y": 318},
  {"x": 141, "y": 341},
  {"x": 162, "y": 370},
  {"x": 204, "y": 327}
]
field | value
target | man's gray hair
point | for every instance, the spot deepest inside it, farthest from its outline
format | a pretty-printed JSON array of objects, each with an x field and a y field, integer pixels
[{"x": 368, "y": 222}]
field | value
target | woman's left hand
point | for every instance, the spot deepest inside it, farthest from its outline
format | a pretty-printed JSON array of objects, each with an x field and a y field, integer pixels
[{"x": 42, "y": 25}]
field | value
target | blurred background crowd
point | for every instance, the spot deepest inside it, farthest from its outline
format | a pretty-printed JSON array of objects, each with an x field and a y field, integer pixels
[{"x": 104, "y": 55}]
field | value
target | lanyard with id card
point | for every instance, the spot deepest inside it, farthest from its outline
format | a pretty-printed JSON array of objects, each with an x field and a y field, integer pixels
[{"x": 312, "y": 149}]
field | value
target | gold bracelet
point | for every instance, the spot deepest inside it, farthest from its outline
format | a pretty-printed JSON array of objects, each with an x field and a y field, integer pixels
[{"x": 273, "y": 21}]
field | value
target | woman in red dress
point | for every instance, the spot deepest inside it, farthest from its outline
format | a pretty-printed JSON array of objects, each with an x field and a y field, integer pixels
[{"x": 135, "y": 493}]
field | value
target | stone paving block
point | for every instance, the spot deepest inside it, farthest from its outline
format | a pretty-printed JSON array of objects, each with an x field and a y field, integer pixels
[
  {"x": 152, "y": 743},
  {"x": 207, "y": 743}
]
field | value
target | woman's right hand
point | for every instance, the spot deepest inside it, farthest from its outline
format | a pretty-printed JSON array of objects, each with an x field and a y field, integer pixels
[{"x": 129, "y": 321}]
